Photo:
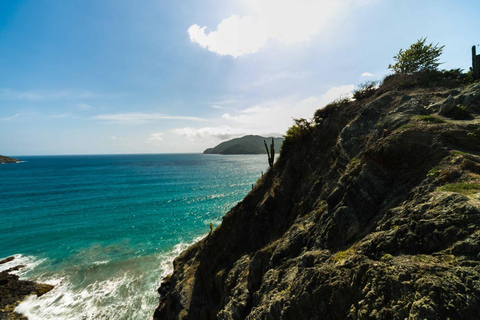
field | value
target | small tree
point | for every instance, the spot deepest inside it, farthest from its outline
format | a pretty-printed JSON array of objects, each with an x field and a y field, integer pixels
[{"x": 419, "y": 57}]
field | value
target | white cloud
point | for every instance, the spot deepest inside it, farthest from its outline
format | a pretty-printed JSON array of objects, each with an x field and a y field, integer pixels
[
  {"x": 221, "y": 132},
  {"x": 269, "y": 119},
  {"x": 337, "y": 92},
  {"x": 235, "y": 36},
  {"x": 286, "y": 21},
  {"x": 217, "y": 107},
  {"x": 277, "y": 116},
  {"x": 36, "y": 116},
  {"x": 36, "y": 95},
  {"x": 155, "y": 137},
  {"x": 19, "y": 115},
  {"x": 253, "y": 110},
  {"x": 269, "y": 78},
  {"x": 138, "y": 118},
  {"x": 367, "y": 74}
]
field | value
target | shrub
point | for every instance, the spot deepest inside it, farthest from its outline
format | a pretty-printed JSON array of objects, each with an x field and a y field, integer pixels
[
  {"x": 432, "y": 78},
  {"x": 365, "y": 89},
  {"x": 463, "y": 188},
  {"x": 300, "y": 129},
  {"x": 432, "y": 173},
  {"x": 418, "y": 58},
  {"x": 330, "y": 108},
  {"x": 386, "y": 257},
  {"x": 429, "y": 119},
  {"x": 458, "y": 76},
  {"x": 342, "y": 255}
]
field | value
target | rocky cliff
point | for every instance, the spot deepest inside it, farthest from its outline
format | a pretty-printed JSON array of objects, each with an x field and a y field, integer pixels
[{"x": 373, "y": 212}]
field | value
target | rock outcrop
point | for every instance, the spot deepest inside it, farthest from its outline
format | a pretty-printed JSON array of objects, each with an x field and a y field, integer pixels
[
  {"x": 4, "y": 159},
  {"x": 373, "y": 213},
  {"x": 13, "y": 291}
]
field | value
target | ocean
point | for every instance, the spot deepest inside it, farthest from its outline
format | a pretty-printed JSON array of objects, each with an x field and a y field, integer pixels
[{"x": 104, "y": 229}]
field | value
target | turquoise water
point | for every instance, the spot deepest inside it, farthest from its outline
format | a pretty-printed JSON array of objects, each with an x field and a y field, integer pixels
[{"x": 105, "y": 229}]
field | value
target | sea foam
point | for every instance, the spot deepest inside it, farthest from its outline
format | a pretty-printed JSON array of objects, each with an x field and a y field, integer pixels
[{"x": 104, "y": 290}]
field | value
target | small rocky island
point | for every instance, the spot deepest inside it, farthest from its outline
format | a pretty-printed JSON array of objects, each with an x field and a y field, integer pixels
[
  {"x": 250, "y": 144},
  {"x": 4, "y": 159}
]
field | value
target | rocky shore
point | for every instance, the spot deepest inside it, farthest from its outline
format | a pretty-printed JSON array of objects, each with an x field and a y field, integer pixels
[
  {"x": 13, "y": 291},
  {"x": 371, "y": 212},
  {"x": 4, "y": 159}
]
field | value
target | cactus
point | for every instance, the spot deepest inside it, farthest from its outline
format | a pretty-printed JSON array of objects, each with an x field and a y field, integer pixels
[
  {"x": 270, "y": 153},
  {"x": 475, "y": 64}
]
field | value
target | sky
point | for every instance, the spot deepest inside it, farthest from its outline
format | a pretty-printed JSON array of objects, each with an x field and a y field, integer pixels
[{"x": 155, "y": 76}]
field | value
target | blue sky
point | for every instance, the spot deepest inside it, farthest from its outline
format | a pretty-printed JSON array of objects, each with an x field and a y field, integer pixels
[{"x": 99, "y": 77}]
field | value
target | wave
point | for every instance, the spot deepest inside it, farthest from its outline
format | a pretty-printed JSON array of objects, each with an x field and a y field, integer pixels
[
  {"x": 103, "y": 289},
  {"x": 28, "y": 262}
]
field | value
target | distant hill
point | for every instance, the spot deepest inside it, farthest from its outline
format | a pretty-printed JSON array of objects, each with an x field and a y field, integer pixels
[
  {"x": 4, "y": 159},
  {"x": 245, "y": 145}
]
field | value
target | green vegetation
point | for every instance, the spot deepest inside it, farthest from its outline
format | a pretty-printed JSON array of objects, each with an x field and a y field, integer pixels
[
  {"x": 418, "y": 58},
  {"x": 330, "y": 108},
  {"x": 463, "y": 188},
  {"x": 365, "y": 90},
  {"x": 299, "y": 130},
  {"x": 458, "y": 153},
  {"x": 354, "y": 161},
  {"x": 474, "y": 134},
  {"x": 342, "y": 255},
  {"x": 404, "y": 127},
  {"x": 432, "y": 173},
  {"x": 296, "y": 134},
  {"x": 429, "y": 78},
  {"x": 287, "y": 289},
  {"x": 429, "y": 119},
  {"x": 386, "y": 257}
]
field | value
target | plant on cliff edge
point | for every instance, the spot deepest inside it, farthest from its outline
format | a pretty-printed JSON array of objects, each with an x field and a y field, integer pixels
[
  {"x": 365, "y": 89},
  {"x": 299, "y": 130},
  {"x": 419, "y": 57}
]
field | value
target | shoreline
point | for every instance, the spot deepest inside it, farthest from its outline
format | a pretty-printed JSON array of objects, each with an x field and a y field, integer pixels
[
  {"x": 24, "y": 298},
  {"x": 13, "y": 290}
]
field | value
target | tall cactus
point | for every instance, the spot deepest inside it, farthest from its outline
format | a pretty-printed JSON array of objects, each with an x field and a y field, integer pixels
[
  {"x": 475, "y": 64},
  {"x": 270, "y": 153}
]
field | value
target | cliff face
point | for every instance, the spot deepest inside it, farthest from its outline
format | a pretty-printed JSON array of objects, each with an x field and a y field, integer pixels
[{"x": 373, "y": 213}]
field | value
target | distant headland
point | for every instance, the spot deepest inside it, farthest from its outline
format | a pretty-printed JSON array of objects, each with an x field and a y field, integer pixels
[
  {"x": 4, "y": 159},
  {"x": 250, "y": 144}
]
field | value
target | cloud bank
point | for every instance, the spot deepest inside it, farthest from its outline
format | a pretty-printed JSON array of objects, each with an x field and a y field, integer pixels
[
  {"x": 270, "y": 118},
  {"x": 138, "y": 118},
  {"x": 285, "y": 21}
]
